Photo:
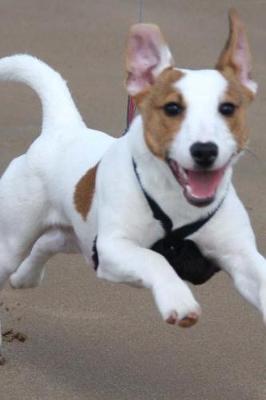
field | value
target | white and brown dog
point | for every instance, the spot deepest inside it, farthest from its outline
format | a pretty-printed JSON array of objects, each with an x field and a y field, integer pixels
[{"x": 75, "y": 184}]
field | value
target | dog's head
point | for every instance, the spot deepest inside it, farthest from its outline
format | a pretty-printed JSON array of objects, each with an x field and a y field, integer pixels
[{"x": 193, "y": 119}]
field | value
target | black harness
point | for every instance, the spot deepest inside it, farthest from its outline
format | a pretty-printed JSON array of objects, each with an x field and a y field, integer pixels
[{"x": 183, "y": 254}]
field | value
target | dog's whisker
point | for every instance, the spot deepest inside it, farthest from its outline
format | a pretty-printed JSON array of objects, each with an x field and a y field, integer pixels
[
  {"x": 260, "y": 161},
  {"x": 252, "y": 153}
]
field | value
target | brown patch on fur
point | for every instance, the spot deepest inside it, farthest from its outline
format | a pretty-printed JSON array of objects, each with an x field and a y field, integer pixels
[
  {"x": 239, "y": 96},
  {"x": 160, "y": 129},
  {"x": 84, "y": 192}
]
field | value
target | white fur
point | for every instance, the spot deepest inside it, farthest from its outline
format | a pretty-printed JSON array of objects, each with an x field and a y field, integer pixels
[
  {"x": 203, "y": 91},
  {"x": 38, "y": 216}
]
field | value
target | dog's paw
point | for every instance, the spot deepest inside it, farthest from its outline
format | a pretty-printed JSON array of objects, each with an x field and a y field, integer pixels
[
  {"x": 177, "y": 304},
  {"x": 19, "y": 281}
]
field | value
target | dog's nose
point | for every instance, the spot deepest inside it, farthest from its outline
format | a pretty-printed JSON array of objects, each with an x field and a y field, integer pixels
[{"x": 204, "y": 154}]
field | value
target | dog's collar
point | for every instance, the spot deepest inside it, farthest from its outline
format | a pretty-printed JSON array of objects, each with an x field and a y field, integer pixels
[{"x": 179, "y": 233}]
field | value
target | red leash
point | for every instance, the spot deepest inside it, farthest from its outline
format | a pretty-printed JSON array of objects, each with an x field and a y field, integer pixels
[
  {"x": 131, "y": 106},
  {"x": 131, "y": 110}
]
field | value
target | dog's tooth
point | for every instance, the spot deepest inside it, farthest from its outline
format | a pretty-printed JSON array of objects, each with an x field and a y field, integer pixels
[{"x": 183, "y": 173}]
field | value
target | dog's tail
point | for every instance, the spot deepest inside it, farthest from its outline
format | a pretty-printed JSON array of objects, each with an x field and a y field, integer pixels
[{"x": 57, "y": 104}]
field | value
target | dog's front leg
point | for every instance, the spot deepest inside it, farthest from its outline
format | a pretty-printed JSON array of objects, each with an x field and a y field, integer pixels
[
  {"x": 248, "y": 270},
  {"x": 229, "y": 239},
  {"x": 121, "y": 260}
]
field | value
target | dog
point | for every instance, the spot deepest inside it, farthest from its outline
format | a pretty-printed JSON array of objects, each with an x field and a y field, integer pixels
[{"x": 116, "y": 200}]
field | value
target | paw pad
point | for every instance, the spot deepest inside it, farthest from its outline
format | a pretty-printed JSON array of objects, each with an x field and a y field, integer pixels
[{"x": 188, "y": 321}]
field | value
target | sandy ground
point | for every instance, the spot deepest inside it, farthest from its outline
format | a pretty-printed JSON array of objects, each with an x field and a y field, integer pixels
[{"x": 92, "y": 340}]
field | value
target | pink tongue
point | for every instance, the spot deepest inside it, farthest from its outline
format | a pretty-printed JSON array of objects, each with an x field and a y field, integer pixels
[{"x": 203, "y": 184}]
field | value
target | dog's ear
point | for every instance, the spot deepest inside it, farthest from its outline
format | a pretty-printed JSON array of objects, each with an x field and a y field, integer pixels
[
  {"x": 147, "y": 56},
  {"x": 236, "y": 54}
]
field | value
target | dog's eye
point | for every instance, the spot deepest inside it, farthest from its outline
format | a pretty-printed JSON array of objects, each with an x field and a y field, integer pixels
[
  {"x": 173, "y": 109},
  {"x": 227, "y": 109}
]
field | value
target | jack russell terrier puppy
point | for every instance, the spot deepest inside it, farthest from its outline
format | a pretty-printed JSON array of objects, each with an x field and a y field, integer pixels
[{"x": 126, "y": 203}]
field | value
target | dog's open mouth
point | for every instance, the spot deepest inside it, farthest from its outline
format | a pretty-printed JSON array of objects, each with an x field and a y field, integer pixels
[{"x": 199, "y": 186}]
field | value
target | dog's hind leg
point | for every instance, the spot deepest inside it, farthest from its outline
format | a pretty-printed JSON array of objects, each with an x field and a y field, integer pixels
[
  {"x": 10, "y": 258},
  {"x": 30, "y": 273},
  {"x": 14, "y": 248},
  {"x": 23, "y": 212}
]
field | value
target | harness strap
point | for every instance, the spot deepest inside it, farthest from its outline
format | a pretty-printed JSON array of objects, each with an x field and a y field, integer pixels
[
  {"x": 180, "y": 233},
  {"x": 187, "y": 230},
  {"x": 158, "y": 213}
]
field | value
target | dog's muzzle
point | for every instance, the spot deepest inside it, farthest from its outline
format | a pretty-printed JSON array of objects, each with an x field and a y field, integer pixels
[{"x": 199, "y": 184}]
